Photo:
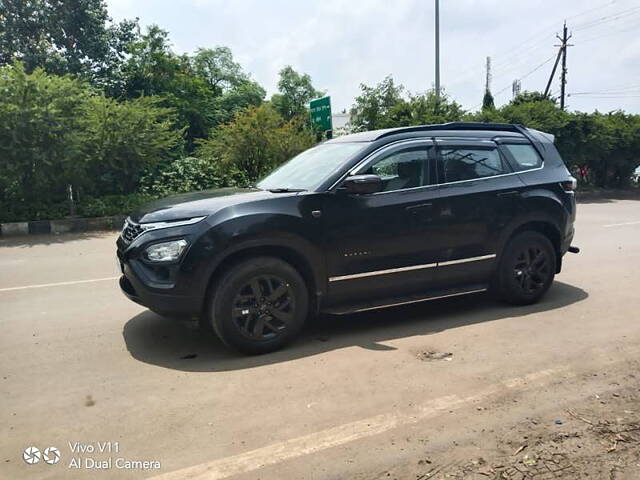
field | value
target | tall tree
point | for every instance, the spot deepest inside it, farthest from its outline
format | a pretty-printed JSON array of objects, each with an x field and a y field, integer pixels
[
  {"x": 487, "y": 101},
  {"x": 373, "y": 106},
  {"x": 64, "y": 36},
  {"x": 295, "y": 91}
]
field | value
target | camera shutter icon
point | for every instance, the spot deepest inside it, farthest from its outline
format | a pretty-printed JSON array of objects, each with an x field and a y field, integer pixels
[
  {"x": 31, "y": 455},
  {"x": 51, "y": 455}
]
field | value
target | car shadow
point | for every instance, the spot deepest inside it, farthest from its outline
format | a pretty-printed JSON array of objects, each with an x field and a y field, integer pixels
[{"x": 183, "y": 346}]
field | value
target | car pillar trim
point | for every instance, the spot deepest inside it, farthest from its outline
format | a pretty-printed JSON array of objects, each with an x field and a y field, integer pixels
[{"x": 412, "y": 267}]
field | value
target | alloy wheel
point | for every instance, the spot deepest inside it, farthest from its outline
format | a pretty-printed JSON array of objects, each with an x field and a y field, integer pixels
[
  {"x": 532, "y": 270},
  {"x": 264, "y": 307}
]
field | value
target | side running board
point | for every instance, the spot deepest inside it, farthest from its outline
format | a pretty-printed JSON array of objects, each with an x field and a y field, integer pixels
[{"x": 405, "y": 300}]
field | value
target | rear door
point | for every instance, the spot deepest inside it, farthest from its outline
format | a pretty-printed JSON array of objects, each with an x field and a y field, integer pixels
[{"x": 479, "y": 194}]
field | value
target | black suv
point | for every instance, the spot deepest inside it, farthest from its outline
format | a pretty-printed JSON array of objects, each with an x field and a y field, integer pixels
[{"x": 360, "y": 222}]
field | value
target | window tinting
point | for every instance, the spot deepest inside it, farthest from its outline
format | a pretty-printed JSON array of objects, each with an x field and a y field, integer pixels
[
  {"x": 402, "y": 169},
  {"x": 525, "y": 156},
  {"x": 460, "y": 164}
]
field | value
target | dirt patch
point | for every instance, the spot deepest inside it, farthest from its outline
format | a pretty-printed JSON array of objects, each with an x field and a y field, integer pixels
[
  {"x": 596, "y": 439},
  {"x": 429, "y": 356}
]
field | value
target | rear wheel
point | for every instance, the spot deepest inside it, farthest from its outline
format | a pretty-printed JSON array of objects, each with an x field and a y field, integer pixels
[
  {"x": 259, "y": 305},
  {"x": 526, "y": 269}
]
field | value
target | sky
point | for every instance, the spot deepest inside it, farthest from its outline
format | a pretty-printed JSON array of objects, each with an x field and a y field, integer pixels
[{"x": 344, "y": 43}]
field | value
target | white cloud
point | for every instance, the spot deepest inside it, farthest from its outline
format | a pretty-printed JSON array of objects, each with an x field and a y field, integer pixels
[{"x": 342, "y": 43}]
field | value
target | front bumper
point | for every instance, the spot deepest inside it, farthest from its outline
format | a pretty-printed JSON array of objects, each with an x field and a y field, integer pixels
[
  {"x": 174, "y": 289},
  {"x": 162, "y": 304}
]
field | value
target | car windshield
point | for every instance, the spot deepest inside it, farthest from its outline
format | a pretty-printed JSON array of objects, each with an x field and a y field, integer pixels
[{"x": 310, "y": 168}]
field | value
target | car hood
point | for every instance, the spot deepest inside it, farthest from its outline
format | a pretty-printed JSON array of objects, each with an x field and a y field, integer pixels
[{"x": 196, "y": 204}]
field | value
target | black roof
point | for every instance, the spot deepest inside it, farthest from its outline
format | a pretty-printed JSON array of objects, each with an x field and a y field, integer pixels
[{"x": 477, "y": 129}]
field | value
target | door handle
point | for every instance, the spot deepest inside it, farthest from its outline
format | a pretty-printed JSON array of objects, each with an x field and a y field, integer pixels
[
  {"x": 512, "y": 193},
  {"x": 419, "y": 208}
]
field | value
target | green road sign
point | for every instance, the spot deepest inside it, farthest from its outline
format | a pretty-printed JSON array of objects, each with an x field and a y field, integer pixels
[{"x": 321, "y": 113}]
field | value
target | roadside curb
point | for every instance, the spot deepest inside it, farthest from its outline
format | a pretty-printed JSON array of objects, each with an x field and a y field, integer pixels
[
  {"x": 67, "y": 225},
  {"x": 591, "y": 195}
]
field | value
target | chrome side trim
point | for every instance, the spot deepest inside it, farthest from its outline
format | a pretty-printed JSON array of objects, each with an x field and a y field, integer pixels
[
  {"x": 419, "y": 300},
  {"x": 412, "y": 267},
  {"x": 465, "y": 260},
  {"x": 382, "y": 272}
]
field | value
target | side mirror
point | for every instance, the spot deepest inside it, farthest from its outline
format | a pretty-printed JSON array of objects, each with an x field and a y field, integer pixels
[{"x": 360, "y": 184}]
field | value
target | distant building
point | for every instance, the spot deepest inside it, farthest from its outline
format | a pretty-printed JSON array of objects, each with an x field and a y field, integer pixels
[
  {"x": 341, "y": 123},
  {"x": 340, "y": 120}
]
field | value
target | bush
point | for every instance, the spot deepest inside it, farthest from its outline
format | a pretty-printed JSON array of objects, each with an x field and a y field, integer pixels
[
  {"x": 256, "y": 141},
  {"x": 112, "y": 205},
  {"x": 40, "y": 140},
  {"x": 123, "y": 139},
  {"x": 189, "y": 174}
]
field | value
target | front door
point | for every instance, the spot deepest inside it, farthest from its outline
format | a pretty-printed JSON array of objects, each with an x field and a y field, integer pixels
[{"x": 378, "y": 244}]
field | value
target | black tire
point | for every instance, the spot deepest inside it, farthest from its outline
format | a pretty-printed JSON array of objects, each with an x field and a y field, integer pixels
[
  {"x": 258, "y": 305},
  {"x": 526, "y": 270}
]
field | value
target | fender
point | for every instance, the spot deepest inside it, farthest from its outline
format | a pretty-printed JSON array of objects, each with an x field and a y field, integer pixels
[
  {"x": 267, "y": 231},
  {"x": 540, "y": 206}
]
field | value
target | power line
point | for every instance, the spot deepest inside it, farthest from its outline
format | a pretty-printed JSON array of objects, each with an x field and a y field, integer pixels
[
  {"x": 521, "y": 78},
  {"x": 611, "y": 96},
  {"x": 607, "y": 19}
]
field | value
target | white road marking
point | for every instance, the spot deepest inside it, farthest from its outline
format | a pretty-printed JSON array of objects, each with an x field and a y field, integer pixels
[
  {"x": 621, "y": 224},
  {"x": 349, "y": 432},
  {"x": 59, "y": 284}
]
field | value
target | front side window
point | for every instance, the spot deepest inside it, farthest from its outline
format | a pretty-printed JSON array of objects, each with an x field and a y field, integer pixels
[
  {"x": 525, "y": 156},
  {"x": 402, "y": 169},
  {"x": 460, "y": 164}
]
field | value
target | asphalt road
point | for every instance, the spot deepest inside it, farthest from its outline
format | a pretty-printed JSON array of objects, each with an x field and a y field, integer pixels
[{"x": 359, "y": 396}]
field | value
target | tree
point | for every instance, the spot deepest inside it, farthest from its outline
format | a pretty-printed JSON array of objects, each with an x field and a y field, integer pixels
[
  {"x": 487, "y": 101},
  {"x": 217, "y": 67},
  {"x": 204, "y": 90},
  {"x": 385, "y": 106},
  {"x": 40, "y": 136},
  {"x": 374, "y": 105},
  {"x": 64, "y": 36},
  {"x": 430, "y": 108},
  {"x": 256, "y": 141},
  {"x": 530, "y": 97},
  {"x": 123, "y": 139},
  {"x": 295, "y": 93}
]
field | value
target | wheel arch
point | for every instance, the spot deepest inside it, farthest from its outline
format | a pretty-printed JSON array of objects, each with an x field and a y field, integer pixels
[
  {"x": 542, "y": 225},
  {"x": 304, "y": 258}
]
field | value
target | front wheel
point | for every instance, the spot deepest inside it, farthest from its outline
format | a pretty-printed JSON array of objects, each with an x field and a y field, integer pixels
[
  {"x": 526, "y": 269},
  {"x": 259, "y": 305}
]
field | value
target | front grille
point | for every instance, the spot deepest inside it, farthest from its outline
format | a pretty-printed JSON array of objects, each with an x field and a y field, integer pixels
[{"x": 131, "y": 231}]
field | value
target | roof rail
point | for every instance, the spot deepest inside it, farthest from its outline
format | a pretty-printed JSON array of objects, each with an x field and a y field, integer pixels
[
  {"x": 504, "y": 127},
  {"x": 498, "y": 127}
]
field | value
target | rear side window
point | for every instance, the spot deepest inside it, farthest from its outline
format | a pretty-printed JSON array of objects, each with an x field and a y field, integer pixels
[
  {"x": 459, "y": 164},
  {"x": 525, "y": 156}
]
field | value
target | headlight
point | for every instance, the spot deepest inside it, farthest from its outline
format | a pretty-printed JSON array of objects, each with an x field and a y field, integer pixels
[{"x": 167, "y": 251}]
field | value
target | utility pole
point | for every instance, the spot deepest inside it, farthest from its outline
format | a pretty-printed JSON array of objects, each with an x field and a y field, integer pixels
[
  {"x": 563, "y": 73},
  {"x": 438, "y": 49},
  {"x": 553, "y": 72},
  {"x": 487, "y": 82},
  {"x": 515, "y": 88}
]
